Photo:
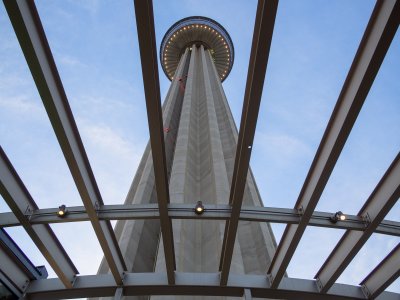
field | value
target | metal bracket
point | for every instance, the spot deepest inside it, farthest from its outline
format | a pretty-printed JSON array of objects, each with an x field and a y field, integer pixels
[
  {"x": 366, "y": 291},
  {"x": 74, "y": 280},
  {"x": 319, "y": 284},
  {"x": 270, "y": 279},
  {"x": 300, "y": 210},
  {"x": 97, "y": 207},
  {"x": 366, "y": 220},
  {"x": 25, "y": 286},
  {"x": 28, "y": 212}
]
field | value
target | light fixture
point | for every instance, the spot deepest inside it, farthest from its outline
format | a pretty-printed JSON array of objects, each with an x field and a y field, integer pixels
[
  {"x": 199, "y": 208},
  {"x": 62, "y": 211},
  {"x": 338, "y": 216}
]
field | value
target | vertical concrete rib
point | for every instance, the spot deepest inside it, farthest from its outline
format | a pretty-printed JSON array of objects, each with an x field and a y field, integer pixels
[
  {"x": 139, "y": 239},
  {"x": 220, "y": 176},
  {"x": 255, "y": 241}
]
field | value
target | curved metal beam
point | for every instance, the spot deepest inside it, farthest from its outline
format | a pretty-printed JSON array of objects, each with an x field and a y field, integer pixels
[
  {"x": 204, "y": 284},
  {"x": 212, "y": 212}
]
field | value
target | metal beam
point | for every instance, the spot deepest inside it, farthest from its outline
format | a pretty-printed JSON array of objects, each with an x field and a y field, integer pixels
[
  {"x": 262, "y": 38},
  {"x": 16, "y": 270},
  {"x": 370, "y": 54},
  {"x": 191, "y": 284},
  {"x": 9, "y": 246},
  {"x": 28, "y": 28},
  {"x": 212, "y": 212},
  {"x": 383, "y": 275},
  {"x": 148, "y": 55},
  {"x": 380, "y": 202},
  {"x": 13, "y": 285},
  {"x": 22, "y": 205},
  {"x": 12, "y": 273}
]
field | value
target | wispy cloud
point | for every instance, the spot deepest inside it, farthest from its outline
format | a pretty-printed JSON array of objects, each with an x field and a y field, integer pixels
[
  {"x": 114, "y": 159},
  {"x": 281, "y": 148},
  {"x": 19, "y": 104},
  {"x": 107, "y": 140},
  {"x": 70, "y": 61}
]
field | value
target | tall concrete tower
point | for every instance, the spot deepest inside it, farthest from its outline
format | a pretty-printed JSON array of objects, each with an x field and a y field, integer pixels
[{"x": 200, "y": 135}]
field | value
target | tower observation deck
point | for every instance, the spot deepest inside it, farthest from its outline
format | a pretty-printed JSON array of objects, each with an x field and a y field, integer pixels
[{"x": 197, "y": 31}]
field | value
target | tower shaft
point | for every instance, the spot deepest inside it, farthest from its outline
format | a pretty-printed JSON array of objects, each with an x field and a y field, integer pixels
[{"x": 200, "y": 141}]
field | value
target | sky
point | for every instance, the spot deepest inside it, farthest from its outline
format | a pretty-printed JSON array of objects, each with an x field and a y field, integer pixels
[{"x": 95, "y": 47}]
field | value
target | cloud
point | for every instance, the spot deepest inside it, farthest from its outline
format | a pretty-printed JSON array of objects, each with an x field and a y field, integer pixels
[
  {"x": 20, "y": 104},
  {"x": 281, "y": 148},
  {"x": 114, "y": 159},
  {"x": 70, "y": 61},
  {"x": 108, "y": 140},
  {"x": 91, "y": 6}
]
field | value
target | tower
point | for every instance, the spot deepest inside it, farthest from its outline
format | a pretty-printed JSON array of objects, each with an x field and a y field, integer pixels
[{"x": 200, "y": 137}]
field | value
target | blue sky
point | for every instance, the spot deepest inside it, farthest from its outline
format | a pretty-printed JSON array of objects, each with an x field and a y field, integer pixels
[{"x": 95, "y": 47}]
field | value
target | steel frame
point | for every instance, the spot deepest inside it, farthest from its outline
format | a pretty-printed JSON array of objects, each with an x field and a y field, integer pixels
[
  {"x": 28, "y": 28},
  {"x": 211, "y": 212},
  {"x": 192, "y": 284},
  {"x": 382, "y": 199},
  {"x": 374, "y": 45},
  {"x": 21, "y": 203},
  {"x": 148, "y": 55},
  {"x": 16, "y": 271},
  {"x": 377, "y": 38},
  {"x": 383, "y": 275},
  {"x": 262, "y": 38}
]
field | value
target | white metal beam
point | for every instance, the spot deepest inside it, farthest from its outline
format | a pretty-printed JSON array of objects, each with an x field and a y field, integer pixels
[
  {"x": 370, "y": 54},
  {"x": 28, "y": 28},
  {"x": 21, "y": 203},
  {"x": 192, "y": 284},
  {"x": 383, "y": 275},
  {"x": 12, "y": 275},
  {"x": 212, "y": 212},
  {"x": 148, "y": 55},
  {"x": 262, "y": 38},
  {"x": 382, "y": 199}
]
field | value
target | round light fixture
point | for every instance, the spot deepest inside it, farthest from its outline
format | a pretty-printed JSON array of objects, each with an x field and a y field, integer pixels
[
  {"x": 199, "y": 208},
  {"x": 338, "y": 216},
  {"x": 62, "y": 211}
]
